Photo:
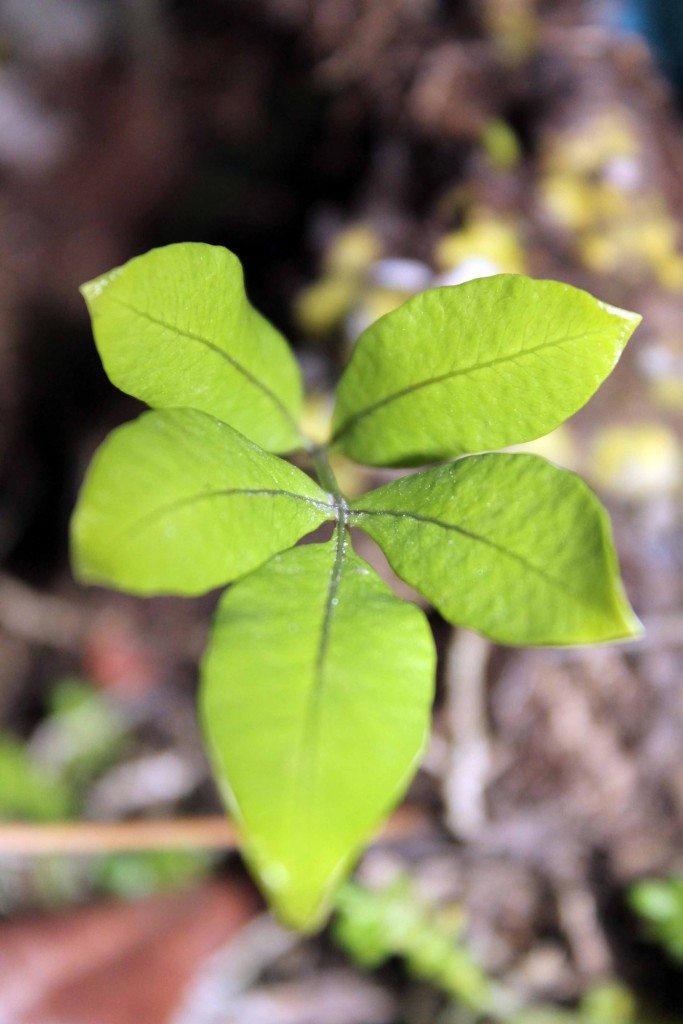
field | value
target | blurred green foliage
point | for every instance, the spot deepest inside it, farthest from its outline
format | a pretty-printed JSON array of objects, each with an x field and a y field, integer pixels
[
  {"x": 134, "y": 875},
  {"x": 659, "y": 901},
  {"x": 29, "y": 792},
  {"x": 48, "y": 778},
  {"x": 375, "y": 925},
  {"x": 84, "y": 732},
  {"x": 607, "y": 1003}
]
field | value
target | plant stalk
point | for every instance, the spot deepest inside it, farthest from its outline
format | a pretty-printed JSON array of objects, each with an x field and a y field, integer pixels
[{"x": 325, "y": 473}]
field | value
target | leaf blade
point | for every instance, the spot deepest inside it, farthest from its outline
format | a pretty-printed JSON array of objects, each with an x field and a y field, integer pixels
[
  {"x": 477, "y": 366},
  {"x": 528, "y": 576},
  {"x": 290, "y": 745},
  {"x": 174, "y": 327},
  {"x": 178, "y": 502}
]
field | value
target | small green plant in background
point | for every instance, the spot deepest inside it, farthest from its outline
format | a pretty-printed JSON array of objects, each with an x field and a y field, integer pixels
[
  {"x": 318, "y": 681},
  {"x": 374, "y": 926},
  {"x": 659, "y": 902},
  {"x": 605, "y": 1003},
  {"x": 394, "y": 922},
  {"x": 47, "y": 778},
  {"x": 30, "y": 792}
]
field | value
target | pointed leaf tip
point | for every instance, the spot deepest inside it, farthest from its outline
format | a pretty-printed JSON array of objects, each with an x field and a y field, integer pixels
[
  {"x": 473, "y": 367},
  {"x": 175, "y": 328},
  {"x": 316, "y": 696}
]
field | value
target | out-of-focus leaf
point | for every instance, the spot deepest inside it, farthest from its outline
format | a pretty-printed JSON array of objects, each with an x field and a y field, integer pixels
[
  {"x": 83, "y": 733},
  {"x": 27, "y": 791},
  {"x": 374, "y": 925},
  {"x": 608, "y": 1003},
  {"x": 134, "y": 875},
  {"x": 659, "y": 901}
]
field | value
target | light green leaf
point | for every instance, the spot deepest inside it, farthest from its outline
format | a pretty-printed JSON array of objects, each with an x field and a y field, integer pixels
[
  {"x": 477, "y": 366},
  {"x": 317, "y": 688},
  {"x": 29, "y": 791},
  {"x": 175, "y": 328},
  {"x": 508, "y": 545},
  {"x": 178, "y": 502}
]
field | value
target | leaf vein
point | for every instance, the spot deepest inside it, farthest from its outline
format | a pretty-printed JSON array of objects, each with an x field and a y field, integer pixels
[
  {"x": 217, "y": 350},
  {"x": 158, "y": 513},
  {"x": 333, "y": 590},
  {"x": 433, "y": 521},
  {"x": 440, "y": 378}
]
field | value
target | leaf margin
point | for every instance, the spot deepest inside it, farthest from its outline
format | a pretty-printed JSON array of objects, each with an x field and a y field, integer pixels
[
  {"x": 93, "y": 544},
  {"x": 394, "y": 327},
  {"x": 253, "y": 850},
  {"x": 100, "y": 290},
  {"x": 629, "y": 626}
]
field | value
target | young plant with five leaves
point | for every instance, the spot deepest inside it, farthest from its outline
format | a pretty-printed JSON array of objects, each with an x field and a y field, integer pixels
[{"x": 318, "y": 681}]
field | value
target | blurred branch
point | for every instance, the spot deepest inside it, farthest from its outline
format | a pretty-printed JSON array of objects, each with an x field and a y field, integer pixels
[
  {"x": 210, "y": 833},
  {"x": 467, "y": 774},
  {"x": 214, "y": 832},
  {"x": 39, "y": 618}
]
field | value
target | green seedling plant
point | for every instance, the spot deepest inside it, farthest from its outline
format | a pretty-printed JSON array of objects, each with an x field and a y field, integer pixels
[
  {"x": 396, "y": 922},
  {"x": 375, "y": 925},
  {"x": 317, "y": 683}
]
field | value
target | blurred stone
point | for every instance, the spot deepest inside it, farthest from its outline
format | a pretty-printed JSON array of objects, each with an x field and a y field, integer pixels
[{"x": 636, "y": 462}]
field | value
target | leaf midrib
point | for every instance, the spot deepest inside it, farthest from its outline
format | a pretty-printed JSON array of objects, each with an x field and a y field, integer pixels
[
  {"x": 332, "y": 591},
  {"x": 440, "y": 378},
  {"x": 305, "y": 775},
  {"x": 217, "y": 350}
]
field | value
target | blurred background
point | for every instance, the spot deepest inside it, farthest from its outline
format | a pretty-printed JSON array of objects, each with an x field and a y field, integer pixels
[{"x": 352, "y": 153}]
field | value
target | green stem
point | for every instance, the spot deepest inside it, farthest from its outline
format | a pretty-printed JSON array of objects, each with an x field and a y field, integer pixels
[{"x": 325, "y": 473}]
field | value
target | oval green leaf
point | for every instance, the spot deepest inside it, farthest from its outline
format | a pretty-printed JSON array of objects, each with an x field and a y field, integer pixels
[
  {"x": 508, "y": 545},
  {"x": 482, "y": 365},
  {"x": 175, "y": 328},
  {"x": 316, "y": 694},
  {"x": 178, "y": 502}
]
